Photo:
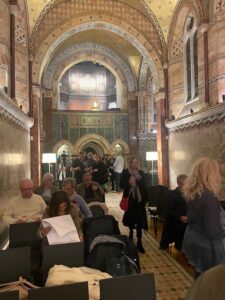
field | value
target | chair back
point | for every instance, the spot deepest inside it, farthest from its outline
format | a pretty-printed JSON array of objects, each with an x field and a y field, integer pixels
[
  {"x": 132, "y": 287},
  {"x": 14, "y": 295},
  {"x": 24, "y": 234},
  {"x": 70, "y": 255},
  {"x": 157, "y": 196},
  {"x": 97, "y": 211},
  {"x": 15, "y": 263},
  {"x": 78, "y": 291}
]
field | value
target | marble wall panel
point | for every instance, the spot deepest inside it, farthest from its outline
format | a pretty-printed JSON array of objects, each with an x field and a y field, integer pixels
[
  {"x": 15, "y": 160},
  {"x": 188, "y": 146}
]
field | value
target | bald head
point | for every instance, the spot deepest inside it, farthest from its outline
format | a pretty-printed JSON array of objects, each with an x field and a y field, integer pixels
[{"x": 26, "y": 188}]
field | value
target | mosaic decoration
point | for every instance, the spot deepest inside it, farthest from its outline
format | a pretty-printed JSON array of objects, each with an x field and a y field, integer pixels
[
  {"x": 19, "y": 35},
  {"x": 115, "y": 29},
  {"x": 72, "y": 126},
  {"x": 177, "y": 48},
  {"x": 143, "y": 75},
  {"x": 72, "y": 51}
]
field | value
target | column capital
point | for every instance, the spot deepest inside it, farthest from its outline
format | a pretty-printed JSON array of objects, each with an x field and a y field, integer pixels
[
  {"x": 14, "y": 7},
  {"x": 141, "y": 93},
  {"x": 160, "y": 95},
  {"x": 36, "y": 90},
  {"x": 203, "y": 28},
  {"x": 131, "y": 96}
]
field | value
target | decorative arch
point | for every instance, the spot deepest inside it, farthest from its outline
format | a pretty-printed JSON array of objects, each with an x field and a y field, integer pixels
[
  {"x": 88, "y": 48},
  {"x": 98, "y": 139},
  {"x": 82, "y": 56},
  {"x": 127, "y": 32},
  {"x": 60, "y": 144},
  {"x": 122, "y": 144}
]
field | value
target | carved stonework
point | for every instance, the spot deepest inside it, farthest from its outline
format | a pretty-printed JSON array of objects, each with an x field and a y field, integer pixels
[
  {"x": 10, "y": 111},
  {"x": 143, "y": 75},
  {"x": 19, "y": 35},
  {"x": 72, "y": 51},
  {"x": 220, "y": 9},
  {"x": 177, "y": 47},
  {"x": 202, "y": 118}
]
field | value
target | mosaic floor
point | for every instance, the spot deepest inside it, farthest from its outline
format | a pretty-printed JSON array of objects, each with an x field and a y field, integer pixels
[{"x": 172, "y": 280}]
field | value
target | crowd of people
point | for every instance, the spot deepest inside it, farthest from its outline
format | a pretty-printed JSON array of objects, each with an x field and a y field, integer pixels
[{"x": 194, "y": 221}]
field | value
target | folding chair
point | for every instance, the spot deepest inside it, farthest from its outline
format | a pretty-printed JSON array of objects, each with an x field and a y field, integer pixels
[
  {"x": 25, "y": 234},
  {"x": 15, "y": 263},
  {"x": 78, "y": 291},
  {"x": 70, "y": 255},
  {"x": 14, "y": 295},
  {"x": 132, "y": 287}
]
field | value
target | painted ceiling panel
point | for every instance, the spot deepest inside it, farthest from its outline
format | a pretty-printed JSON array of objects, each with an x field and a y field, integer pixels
[{"x": 163, "y": 10}]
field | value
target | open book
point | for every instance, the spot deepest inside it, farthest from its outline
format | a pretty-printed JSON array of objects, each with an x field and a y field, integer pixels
[{"x": 62, "y": 231}]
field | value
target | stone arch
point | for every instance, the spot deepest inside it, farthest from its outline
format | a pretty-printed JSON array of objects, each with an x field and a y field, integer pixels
[
  {"x": 58, "y": 145},
  {"x": 123, "y": 144},
  {"x": 98, "y": 139},
  {"x": 127, "y": 32},
  {"x": 88, "y": 48},
  {"x": 80, "y": 57}
]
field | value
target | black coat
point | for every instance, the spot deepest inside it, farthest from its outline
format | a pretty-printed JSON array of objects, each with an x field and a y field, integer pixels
[
  {"x": 173, "y": 230},
  {"x": 101, "y": 176},
  {"x": 136, "y": 213}
]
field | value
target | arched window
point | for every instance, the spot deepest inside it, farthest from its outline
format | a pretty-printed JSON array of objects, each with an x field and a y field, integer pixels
[{"x": 191, "y": 59}]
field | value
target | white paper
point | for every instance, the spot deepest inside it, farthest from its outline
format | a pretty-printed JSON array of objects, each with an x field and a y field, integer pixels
[{"x": 63, "y": 230}]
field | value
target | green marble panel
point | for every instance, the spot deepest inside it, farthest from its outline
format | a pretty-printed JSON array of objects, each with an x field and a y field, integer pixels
[
  {"x": 55, "y": 128},
  {"x": 100, "y": 131},
  {"x": 74, "y": 135},
  {"x": 109, "y": 135},
  {"x": 92, "y": 130},
  {"x": 83, "y": 131},
  {"x": 64, "y": 127}
]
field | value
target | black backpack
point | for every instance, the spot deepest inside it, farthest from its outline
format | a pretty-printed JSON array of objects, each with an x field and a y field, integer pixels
[
  {"x": 114, "y": 254},
  {"x": 98, "y": 225}
]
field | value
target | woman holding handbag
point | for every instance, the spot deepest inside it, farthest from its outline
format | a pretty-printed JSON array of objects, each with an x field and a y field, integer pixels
[{"x": 132, "y": 183}]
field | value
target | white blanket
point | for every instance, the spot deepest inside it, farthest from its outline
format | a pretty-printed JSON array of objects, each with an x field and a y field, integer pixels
[{"x": 60, "y": 274}]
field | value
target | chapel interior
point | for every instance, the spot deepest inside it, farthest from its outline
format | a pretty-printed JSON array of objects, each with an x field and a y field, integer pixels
[{"x": 101, "y": 75}]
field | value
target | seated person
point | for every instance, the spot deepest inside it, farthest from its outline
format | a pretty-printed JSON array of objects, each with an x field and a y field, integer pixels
[
  {"x": 59, "y": 206},
  {"x": 176, "y": 217},
  {"x": 47, "y": 188},
  {"x": 209, "y": 286},
  {"x": 69, "y": 188},
  {"x": 26, "y": 207},
  {"x": 90, "y": 190}
]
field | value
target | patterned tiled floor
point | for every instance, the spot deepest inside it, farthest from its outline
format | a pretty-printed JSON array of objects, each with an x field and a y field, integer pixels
[{"x": 172, "y": 280}]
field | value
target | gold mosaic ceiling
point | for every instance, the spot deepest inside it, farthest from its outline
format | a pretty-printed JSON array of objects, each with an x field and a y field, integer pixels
[{"x": 163, "y": 10}]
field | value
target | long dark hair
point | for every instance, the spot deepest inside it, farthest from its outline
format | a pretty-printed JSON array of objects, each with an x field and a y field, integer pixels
[{"x": 58, "y": 198}]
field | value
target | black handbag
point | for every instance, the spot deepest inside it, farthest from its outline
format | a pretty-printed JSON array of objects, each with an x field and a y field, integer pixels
[{"x": 116, "y": 266}]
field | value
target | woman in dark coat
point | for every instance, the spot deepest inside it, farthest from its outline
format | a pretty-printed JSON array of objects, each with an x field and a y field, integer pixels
[
  {"x": 132, "y": 183},
  {"x": 204, "y": 238}
]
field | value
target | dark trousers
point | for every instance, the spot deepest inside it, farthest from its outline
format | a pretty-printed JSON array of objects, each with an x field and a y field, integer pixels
[
  {"x": 117, "y": 180},
  {"x": 112, "y": 179}
]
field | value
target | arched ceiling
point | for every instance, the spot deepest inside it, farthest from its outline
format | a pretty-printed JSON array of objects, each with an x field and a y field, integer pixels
[{"x": 163, "y": 10}]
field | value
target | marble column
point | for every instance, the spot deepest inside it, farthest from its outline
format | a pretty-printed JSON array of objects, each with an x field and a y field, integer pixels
[
  {"x": 30, "y": 86},
  {"x": 47, "y": 120},
  {"x": 133, "y": 123},
  {"x": 13, "y": 10},
  {"x": 204, "y": 61},
  {"x": 35, "y": 137},
  {"x": 141, "y": 110},
  {"x": 162, "y": 140}
]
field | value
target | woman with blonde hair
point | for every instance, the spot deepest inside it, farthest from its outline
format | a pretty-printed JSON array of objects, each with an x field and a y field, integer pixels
[
  {"x": 204, "y": 238},
  {"x": 133, "y": 185}
]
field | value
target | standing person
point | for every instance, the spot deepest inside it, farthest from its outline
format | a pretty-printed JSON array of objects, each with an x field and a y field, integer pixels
[
  {"x": 133, "y": 185},
  {"x": 61, "y": 172},
  {"x": 64, "y": 156},
  {"x": 110, "y": 163},
  {"x": 100, "y": 172},
  {"x": 204, "y": 237},
  {"x": 78, "y": 167},
  {"x": 118, "y": 166},
  {"x": 176, "y": 217}
]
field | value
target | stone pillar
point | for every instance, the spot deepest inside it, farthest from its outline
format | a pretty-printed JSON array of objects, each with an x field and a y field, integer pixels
[
  {"x": 13, "y": 8},
  {"x": 47, "y": 120},
  {"x": 141, "y": 111},
  {"x": 133, "y": 123},
  {"x": 204, "y": 62},
  {"x": 30, "y": 86},
  {"x": 35, "y": 137},
  {"x": 162, "y": 140},
  {"x": 4, "y": 45}
]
